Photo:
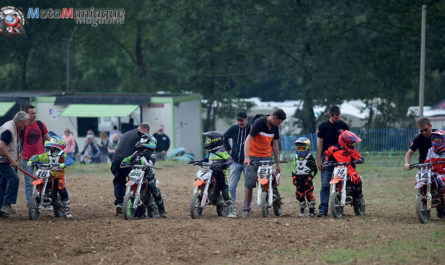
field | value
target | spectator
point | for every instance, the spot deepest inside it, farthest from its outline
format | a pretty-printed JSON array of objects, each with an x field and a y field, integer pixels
[
  {"x": 238, "y": 133},
  {"x": 327, "y": 136},
  {"x": 33, "y": 138},
  {"x": 91, "y": 152},
  {"x": 163, "y": 143},
  {"x": 115, "y": 131},
  {"x": 103, "y": 146},
  {"x": 125, "y": 148},
  {"x": 9, "y": 156},
  {"x": 70, "y": 144},
  {"x": 112, "y": 146},
  {"x": 261, "y": 142}
]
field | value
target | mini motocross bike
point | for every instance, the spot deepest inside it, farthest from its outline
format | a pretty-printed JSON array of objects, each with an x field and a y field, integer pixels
[
  {"x": 205, "y": 192},
  {"x": 268, "y": 195},
  {"x": 137, "y": 193},
  {"x": 341, "y": 194},
  {"x": 428, "y": 195},
  {"x": 44, "y": 192}
]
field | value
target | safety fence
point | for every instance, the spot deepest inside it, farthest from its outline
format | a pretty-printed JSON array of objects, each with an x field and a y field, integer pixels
[{"x": 373, "y": 140}]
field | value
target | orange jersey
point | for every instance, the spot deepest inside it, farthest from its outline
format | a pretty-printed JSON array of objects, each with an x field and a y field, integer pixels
[
  {"x": 340, "y": 154},
  {"x": 261, "y": 144}
]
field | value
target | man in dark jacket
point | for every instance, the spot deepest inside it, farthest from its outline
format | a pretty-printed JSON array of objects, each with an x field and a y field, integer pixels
[
  {"x": 238, "y": 133},
  {"x": 125, "y": 148},
  {"x": 163, "y": 143}
]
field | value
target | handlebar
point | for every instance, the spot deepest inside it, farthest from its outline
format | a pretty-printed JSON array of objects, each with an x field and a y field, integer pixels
[
  {"x": 427, "y": 165},
  {"x": 199, "y": 163}
]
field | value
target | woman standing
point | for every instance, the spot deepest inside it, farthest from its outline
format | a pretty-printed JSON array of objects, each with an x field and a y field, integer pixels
[
  {"x": 113, "y": 145},
  {"x": 103, "y": 146},
  {"x": 70, "y": 144}
]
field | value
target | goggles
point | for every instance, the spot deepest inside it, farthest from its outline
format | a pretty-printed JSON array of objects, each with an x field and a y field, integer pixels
[{"x": 301, "y": 147}]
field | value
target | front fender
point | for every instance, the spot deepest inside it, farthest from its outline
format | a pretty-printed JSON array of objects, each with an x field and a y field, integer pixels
[{"x": 335, "y": 180}]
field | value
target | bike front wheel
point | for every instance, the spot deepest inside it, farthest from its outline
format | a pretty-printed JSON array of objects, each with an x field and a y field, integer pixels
[
  {"x": 128, "y": 210},
  {"x": 33, "y": 207},
  {"x": 422, "y": 211},
  {"x": 264, "y": 203},
  {"x": 336, "y": 207},
  {"x": 359, "y": 206},
  {"x": 195, "y": 205}
]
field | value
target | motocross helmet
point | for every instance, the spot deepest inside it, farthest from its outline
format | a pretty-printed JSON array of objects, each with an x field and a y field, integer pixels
[
  {"x": 348, "y": 139},
  {"x": 213, "y": 139},
  {"x": 303, "y": 147},
  {"x": 55, "y": 144},
  {"x": 438, "y": 141},
  {"x": 146, "y": 142}
]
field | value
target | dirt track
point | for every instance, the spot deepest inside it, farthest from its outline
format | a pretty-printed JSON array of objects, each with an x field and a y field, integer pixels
[{"x": 97, "y": 236}]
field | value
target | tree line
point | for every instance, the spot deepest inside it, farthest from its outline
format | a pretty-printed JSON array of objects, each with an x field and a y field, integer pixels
[{"x": 321, "y": 52}]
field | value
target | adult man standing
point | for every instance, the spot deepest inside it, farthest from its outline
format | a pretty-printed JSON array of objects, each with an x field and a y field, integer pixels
[
  {"x": 328, "y": 133},
  {"x": 238, "y": 133},
  {"x": 423, "y": 143},
  {"x": 125, "y": 148},
  {"x": 163, "y": 143},
  {"x": 261, "y": 142},
  {"x": 33, "y": 139},
  {"x": 9, "y": 156}
]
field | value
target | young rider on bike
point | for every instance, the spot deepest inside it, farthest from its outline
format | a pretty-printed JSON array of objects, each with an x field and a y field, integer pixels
[{"x": 346, "y": 152}]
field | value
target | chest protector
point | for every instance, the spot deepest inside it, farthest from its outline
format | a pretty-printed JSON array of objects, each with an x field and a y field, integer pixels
[{"x": 300, "y": 166}]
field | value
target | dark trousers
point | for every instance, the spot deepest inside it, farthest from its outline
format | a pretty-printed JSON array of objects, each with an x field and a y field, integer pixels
[
  {"x": 119, "y": 181},
  {"x": 221, "y": 184}
]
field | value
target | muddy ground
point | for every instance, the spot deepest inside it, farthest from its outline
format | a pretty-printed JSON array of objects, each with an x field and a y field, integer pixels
[{"x": 389, "y": 233}]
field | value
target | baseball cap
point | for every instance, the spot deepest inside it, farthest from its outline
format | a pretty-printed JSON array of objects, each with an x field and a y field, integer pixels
[{"x": 241, "y": 114}]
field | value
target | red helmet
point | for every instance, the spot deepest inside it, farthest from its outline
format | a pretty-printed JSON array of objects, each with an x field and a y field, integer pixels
[
  {"x": 348, "y": 139},
  {"x": 438, "y": 141}
]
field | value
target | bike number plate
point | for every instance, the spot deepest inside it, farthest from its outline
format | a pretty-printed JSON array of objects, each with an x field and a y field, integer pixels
[
  {"x": 339, "y": 171},
  {"x": 136, "y": 174},
  {"x": 264, "y": 170},
  {"x": 42, "y": 174}
]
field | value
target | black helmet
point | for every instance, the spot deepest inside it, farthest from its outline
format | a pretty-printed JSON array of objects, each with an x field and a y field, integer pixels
[
  {"x": 146, "y": 142},
  {"x": 213, "y": 139}
]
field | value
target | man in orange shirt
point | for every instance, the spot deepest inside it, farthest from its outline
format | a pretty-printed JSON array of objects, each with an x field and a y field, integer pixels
[{"x": 261, "y": 142}]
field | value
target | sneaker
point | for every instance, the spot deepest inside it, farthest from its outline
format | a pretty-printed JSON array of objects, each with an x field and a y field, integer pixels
[
  {"x": 322, "y": 214},
  {"x": 8, "y": 208},
  {"x": 118, "y": 209},
  {"x": 4, "y": 214},
  {"x": 163, "y": 214},
  {"x": 245, "y": 214}
]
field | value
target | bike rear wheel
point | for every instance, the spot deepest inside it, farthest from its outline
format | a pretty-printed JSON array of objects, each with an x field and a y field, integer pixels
[
  {"x": 264, "y": 202},
  {"x": 277, "y": 203},
  {"x": 33, "y": 211},
  {"x": 128, "y": 210},
  {"x": 422, "y": 211},
  {"x": 336, "y": 207},
  {"x": 359, "y": 206}
]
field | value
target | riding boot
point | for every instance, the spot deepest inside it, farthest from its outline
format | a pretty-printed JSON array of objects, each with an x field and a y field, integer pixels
[
  {"x": 302, "y": 208},
  {"x": 311, "y": 208},
  {"x": 67, "y": 209},
  {"x": 161, "y": 208}
]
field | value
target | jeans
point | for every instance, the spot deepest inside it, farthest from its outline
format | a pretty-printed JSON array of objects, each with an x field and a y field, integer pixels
[
  {"x": 28, "y": 179},
  {"x": 326, "y": 175},
  {"x": 9, "y": 184},
  {"x": 235, "y": 175}
]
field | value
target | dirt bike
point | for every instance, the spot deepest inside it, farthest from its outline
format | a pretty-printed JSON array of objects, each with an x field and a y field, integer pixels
[
  {"x": 137, "y": 193},
  {"x": 44, "y": 193},
  {"x": 268, "y": 195},
  {"x": 342, "y": 195},
  {"x": 205, "y": 192},
  {"x": 428, "y": 196}
]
